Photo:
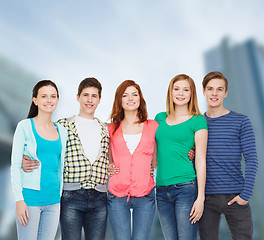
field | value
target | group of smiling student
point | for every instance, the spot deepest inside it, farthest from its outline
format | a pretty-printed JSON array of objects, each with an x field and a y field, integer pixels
[{"x": 59, "y": 171}]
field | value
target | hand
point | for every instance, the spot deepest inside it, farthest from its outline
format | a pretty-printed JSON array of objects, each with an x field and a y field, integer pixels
[
  {"x": 191, "y": 154},
  {"x": 152, "y": 169},
  {"x": 112, "y": 169},
  {"x": 239, "y": 201},
  {"x": 29, "y": 165},
  {"x": 197, "y": 210},
  {"x": 22, "y": 212}
]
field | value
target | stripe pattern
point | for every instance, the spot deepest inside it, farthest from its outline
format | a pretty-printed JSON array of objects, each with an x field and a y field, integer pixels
[{"x": 229, "y": 138}]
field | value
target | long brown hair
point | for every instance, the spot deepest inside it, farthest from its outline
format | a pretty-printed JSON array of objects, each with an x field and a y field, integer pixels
[
  {"x": 117, "y": 114},
  {"x": 193, "y": 103}
]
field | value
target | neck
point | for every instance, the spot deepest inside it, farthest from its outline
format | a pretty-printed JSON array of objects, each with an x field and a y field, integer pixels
[
  {"x": 130, "y": 117},
  {"x": 181, "y": 111},
  {"x": 216, "y": 111},
  {"x": 44, "y": 118},
  {"x": 86, "y": 115}
]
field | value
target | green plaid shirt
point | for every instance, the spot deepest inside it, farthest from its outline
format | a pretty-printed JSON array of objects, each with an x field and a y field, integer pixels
[{"x": 77, "y": 167}]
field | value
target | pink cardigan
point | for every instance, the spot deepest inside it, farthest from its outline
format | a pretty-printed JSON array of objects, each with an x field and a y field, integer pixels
[{"x": 133, "y": 178}]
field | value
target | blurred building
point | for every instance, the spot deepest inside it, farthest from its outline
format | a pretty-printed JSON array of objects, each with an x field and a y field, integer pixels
[
  {"x": 15, "y": 98},
  {"x": 243, "y": 65}
]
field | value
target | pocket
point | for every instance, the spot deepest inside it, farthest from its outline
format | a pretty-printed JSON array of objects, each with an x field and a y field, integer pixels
[
  {"x": 191, "y": 183},
  {"x": 102, "y": 196},
  {"x": 110, "y": 196},
  {"x": 68, "y": 195},
  {"x": 151, "y": 195}
]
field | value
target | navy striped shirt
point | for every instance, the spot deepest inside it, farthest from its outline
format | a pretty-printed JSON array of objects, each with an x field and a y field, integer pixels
[{"x": 230, "y": 136}]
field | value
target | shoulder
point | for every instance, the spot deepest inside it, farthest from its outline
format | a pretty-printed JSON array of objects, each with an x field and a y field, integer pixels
[
  {"x": 200, "y": 118},
  {"x": 160, "y": 116},
  {"x": 65, "y": 121},
  {"x": 152, "y": 122},
  {"x": 24, "y": 123}
]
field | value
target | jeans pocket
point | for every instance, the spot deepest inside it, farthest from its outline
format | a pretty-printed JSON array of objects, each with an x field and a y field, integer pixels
[
  {"x": 110, "y": 196},
  {"x": 151, "y": 195},
  {"x": 68, "y": 195},
  {"x": 191, "y": 183}
]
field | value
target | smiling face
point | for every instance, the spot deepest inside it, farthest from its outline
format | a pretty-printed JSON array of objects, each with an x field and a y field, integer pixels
[
  {"x": 215, "y": 92},
  {"x": 130, "y": 99},
  {"x": 47, "y": 99},
  {"x": 89, "y": 100},
  {"x": 181, "y": 93}
]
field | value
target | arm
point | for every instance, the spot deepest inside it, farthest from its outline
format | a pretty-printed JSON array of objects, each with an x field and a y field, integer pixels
[
  {"x": 16, "y": 162},
  {"x": 111, "y": 168},
  {"x": 154, "y": 159},
  {"x": 248, "y": 145},
  {"x": 200, "y": 166}
]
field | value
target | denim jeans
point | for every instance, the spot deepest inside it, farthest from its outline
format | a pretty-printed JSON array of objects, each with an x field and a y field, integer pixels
[
  {"x": 142, "y": 217},
  {"x": 238, "y": 218},
  {"x": 83, "y": 208},
  {"x": 42, "y": 225},
  {"x": 174, "y": 203}
]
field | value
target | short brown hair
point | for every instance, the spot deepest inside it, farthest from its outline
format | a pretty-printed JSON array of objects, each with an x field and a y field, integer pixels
[
  {"x": 90, "y": 82},
  {"x": 193, "y": 103},
  {"x": 214, "y": 75},
  {"x": 117, "y": 114}
]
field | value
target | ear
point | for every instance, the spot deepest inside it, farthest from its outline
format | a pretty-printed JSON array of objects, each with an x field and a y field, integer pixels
[
  {"x": 78, "y": 97},
  {"x": 34, "y": 101},
  {"x": 226, "y": 93},
  {"x": 203, "y": 91}
]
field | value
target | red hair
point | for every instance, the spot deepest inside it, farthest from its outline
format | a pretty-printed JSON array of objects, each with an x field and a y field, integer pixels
[{"x": 117, "y": 114}]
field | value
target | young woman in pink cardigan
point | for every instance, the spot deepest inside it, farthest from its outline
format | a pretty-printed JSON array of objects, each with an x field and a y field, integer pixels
[{"x": 132, "y": 141}]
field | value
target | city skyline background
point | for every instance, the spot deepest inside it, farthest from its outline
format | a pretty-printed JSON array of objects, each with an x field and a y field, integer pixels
[{"x": 146, "y": 41}]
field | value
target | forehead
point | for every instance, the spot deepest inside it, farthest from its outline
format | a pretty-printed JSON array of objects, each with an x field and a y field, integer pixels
[
  {"x": 131, "y": 89},
  {"x": 181, "y": 83},
  {"x": 90, "y": 90},
  {"x": 216, "y": 83},
  {"x": 47, "y": 89}
]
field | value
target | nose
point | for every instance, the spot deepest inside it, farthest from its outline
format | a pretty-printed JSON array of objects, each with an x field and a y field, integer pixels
[{"x": 89, "y": 98}]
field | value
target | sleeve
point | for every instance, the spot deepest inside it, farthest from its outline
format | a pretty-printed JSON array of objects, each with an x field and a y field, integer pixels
[
  {"x": 200, "y": 123},
  {"x": 16, "y": 161},
  {"x": 159, "y": 116},
  {"x": 248, "y": 145}
]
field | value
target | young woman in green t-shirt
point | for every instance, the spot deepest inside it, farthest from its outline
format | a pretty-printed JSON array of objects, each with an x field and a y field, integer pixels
[{"x": 180, "y": 187}]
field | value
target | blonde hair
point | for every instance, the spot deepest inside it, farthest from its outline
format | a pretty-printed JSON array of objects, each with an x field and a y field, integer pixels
[{"x": 193, "y": 103}]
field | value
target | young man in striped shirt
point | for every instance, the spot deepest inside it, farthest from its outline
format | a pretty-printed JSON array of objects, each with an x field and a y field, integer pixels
[{"x": 230, "y": 135}]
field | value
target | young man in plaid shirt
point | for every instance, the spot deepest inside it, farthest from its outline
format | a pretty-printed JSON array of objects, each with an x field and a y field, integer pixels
[{"x": 84, "y": 197}]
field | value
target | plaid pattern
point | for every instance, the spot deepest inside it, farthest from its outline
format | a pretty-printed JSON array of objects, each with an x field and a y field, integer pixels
[{"x": 77, "y": 167}]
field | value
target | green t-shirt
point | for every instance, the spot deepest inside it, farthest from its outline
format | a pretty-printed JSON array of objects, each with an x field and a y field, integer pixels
[{"x": 173, "y": 144}]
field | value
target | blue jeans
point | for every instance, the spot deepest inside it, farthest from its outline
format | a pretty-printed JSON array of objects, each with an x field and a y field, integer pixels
[
  {"x": 174, "y": 203},
  {"x": 42, "y": 225},
  {"x": 142, "y": 217},
  {"x": 83, "y": 208}
]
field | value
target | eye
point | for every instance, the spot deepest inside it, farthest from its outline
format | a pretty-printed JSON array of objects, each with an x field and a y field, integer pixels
[
  {"x": 95, "y": 96},
  {"x": 124, "y": 95},
  {"x": 135, "y": 94}
]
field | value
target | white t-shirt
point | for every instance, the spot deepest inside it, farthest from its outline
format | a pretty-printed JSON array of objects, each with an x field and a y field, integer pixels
[
  {"x": 132, "y": 141},
  {"x": 89, "y": 131}
]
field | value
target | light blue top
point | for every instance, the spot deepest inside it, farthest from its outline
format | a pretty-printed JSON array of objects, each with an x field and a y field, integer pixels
[
  {"x": 48, "y": 152},
  {"x": 24, "y": 143}
]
